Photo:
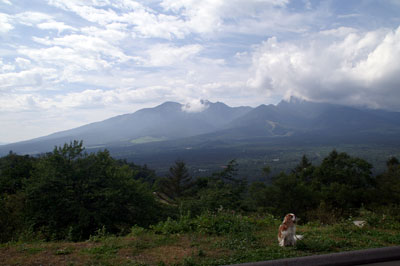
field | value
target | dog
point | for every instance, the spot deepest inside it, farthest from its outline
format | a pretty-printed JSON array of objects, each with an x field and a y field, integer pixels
[{"x": 287, "y": 231}]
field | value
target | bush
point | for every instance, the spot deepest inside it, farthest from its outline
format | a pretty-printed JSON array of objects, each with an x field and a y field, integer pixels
[
  {"x": 385, "y": 216},
  {"x": 72, "y": 194},
  {"x": 209, "y": 223},
  {"x": 11, "y": 216}
]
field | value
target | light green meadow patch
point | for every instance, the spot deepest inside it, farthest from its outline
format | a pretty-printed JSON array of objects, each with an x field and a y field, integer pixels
[{"x": 146, "y": 139}]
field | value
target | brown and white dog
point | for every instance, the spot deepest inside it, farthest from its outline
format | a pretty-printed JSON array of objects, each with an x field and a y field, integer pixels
[{"x": 287, "y": 231}]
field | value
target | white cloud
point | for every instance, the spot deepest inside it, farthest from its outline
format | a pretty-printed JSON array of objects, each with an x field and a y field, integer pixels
[
  {"x": 8, "y": 2},
  {"x": 76, "y": 55},
  {"x": 23, "y": 63},
  {"x": 32, "y": 18},
  {"x": 17, "y": 102},
  {"x": 150, "y": 25},
  {"x": 200, "y": 16},
  {"x": 166, "y": 54},
  {"x": 34, "y": 77},
  {"x": 69, "y": 63},
  {"x": 358, "y": 68},
  {"x": 85, "y": 46},
  {"x": 88, "y": 10},
  {"x": 5, "y": 23},
  {"x": 79, "y": 61},
  {"x": 238, "y": 16},
  {"x": 51, "y": 24},
  {"x": 339, "y": 32},
  {"x": 5, "y": 68},
  {"x": 195, "y": 106},
  {"x": 112, "y": 33},
  {"x": 181, "y": 18}
]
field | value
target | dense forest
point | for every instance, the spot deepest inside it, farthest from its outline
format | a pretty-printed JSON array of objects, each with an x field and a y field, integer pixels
[{"x": 71, "y": 194}]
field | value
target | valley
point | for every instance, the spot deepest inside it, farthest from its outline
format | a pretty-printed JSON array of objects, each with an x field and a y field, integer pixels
[{"x": 267, "y": 135}]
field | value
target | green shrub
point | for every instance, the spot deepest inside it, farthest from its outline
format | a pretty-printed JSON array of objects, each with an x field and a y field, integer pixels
[
  {"x": 100, "y": 235},
  {"x": 182, "y": 225},
  {"x": 209, "y": 223},
  {"x": 137, "y": 230},
  {"x": 223, "y": 223},
  {"x": 70, "y": 194},
  {"x": 383, "y": 217},
  {"x": 265, "y": 220}
]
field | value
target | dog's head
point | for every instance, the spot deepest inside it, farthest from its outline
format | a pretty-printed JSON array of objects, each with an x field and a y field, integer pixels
[{"x": 290, "y": 218}]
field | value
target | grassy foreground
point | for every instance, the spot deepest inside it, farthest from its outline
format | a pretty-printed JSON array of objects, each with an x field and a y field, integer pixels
[{"x": 206, "y": 240}]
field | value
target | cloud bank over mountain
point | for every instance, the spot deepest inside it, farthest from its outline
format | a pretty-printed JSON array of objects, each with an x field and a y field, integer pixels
[{"x": 343, "y": 65}]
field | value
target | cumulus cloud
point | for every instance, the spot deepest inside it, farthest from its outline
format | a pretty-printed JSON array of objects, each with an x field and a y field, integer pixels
[
  {"x": 5, "y": 23},
  {"x": 6, "y": 2},
  {"x": 144, "y": 20},
  {"x": 350, "y": 67},
  {"x": 195, "y": 106},
  {"x": 85, "y": 46},
  {"x": 170, "y": 19},
  {"x": 75, "y": 55},
  {"x": 263, "y": 17},
  {"x": 29, "y": 79},
  {"x": 17, "y": 103},
  {"x": 22, "y": 63},
  {"x": 166, "y": 54},
  {"x": 6, "y": 67},
  {"x": 90, "y": 10},
  {"x": 82, "y": 61},
  {"x": 51, "y": 24},
  {"x": 30, "y": 18}
]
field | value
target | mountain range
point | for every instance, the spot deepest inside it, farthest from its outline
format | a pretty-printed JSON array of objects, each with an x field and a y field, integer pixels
[{"x": 170, "y": 131}]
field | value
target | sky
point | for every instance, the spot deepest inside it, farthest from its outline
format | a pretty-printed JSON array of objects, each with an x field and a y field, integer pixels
[{"x": 66, "y": 63}]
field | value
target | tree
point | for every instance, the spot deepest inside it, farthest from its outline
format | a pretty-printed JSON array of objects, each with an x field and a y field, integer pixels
[
  {"x": 340, "y": 182},
  {"x": 392, "y": 163},
  {"x": 221, "y": 189},
  {"x": 229, "y": 173},
  {"x": 303, "y": 165},
  {"x": 73, "y": 194},
  {"x": 388, "y": 183},
  {"x": 345, "y": 182},
  {"x": 14, "y": 169},
  {"x": 291, "y": 195},
  {"x": 266, "y": 170},
  {"x": 142, "y": 173},
  {"x": 177, "y": 183}
]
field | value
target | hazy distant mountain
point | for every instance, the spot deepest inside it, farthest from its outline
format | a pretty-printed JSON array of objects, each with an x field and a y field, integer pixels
[
  {"x": 164, "y": 122},
  {"x": 296, "y": 118},
  {"x": 168, "y": 127}
]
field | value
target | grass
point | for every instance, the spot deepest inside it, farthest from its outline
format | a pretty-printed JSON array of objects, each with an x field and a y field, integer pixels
[
  {"x": 198, "y": 244},
  {"x": 146, "y": 139}
]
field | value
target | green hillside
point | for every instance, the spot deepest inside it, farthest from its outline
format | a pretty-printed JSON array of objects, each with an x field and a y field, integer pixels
[{"x": 71, "y": 207}]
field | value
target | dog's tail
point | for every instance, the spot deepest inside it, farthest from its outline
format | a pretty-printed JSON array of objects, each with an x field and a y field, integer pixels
[{"x": 299, "y": 237}]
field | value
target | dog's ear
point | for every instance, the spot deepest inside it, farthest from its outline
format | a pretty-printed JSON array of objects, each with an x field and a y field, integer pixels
[{"x": 287, "y": 218}]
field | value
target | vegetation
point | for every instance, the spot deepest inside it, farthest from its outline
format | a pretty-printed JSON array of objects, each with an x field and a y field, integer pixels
[
  {"x": 69, "y": 194},
  {"x": 128, "y": 215},
  {"x": 219, "y": 238}
]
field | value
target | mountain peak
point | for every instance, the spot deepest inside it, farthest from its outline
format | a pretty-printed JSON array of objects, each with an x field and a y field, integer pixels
[
  {"x": 293, "y": 100},
  {"x": 196, "y": 106},
  {"x": 169, "y": 121},
  {"x": 168, "y": 106}
]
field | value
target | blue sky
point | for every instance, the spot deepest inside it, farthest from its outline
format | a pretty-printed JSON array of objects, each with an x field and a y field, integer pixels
[{"x": 68, "y": 63}]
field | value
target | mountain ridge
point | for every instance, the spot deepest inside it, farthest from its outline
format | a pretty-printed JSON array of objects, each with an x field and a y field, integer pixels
[{"x": 291, "y": 121}]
